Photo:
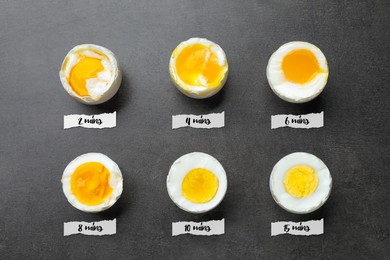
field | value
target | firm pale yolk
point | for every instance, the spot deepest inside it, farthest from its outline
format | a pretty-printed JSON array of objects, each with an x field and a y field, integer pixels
[
  {"x": 90, "y": 183},
  {"x": 197, "y": 65},
  {"x": 199, "y": 185},
  {"x": 86, "y": 68},
  {"x": 300, "y": 181},
  {"x": 300, "y": 66}
]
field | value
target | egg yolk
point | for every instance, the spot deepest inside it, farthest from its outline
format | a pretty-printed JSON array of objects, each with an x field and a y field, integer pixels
[
  {"x": 199, "y": 185},
  {"x": 90, "y": 183},
  {"x": 300, "y": 181},
  {"x": 86, "y": 68},
  {"x": 197, "y": 65},
  {"x": 300, "y": 66}
]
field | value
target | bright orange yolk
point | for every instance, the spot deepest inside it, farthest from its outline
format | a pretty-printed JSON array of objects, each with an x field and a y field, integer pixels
[
  {"x": 90, "y": 183},
  {"x": 197, "y": 65},
  {"x": 300, "y": 66},
  {"x": 86, "y": 68},
  {"x": 199, "y": 185}
]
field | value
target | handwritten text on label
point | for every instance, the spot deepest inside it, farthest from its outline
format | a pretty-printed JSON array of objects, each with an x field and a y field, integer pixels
[
  {"x": 104, "y": 227},
  {"x": 313, "y": 120},
  {"x": 208, "y": 228},
  {"x": 106, "y": 120},
  {"x": 312, "y": 227},
  {"x": 214, "y": 120}
]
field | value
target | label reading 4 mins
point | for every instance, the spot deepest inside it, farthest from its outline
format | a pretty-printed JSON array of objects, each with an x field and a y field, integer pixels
[{"x": 214, "y": 120}]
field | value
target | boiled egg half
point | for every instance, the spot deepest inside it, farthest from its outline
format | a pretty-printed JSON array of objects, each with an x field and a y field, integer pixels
[
  {"x": 198, "y": 68},
  {"x": 196, "y": 182},
  {"x": 297, "y": 72},
  {"x": 90, "y": 74},
  {"x": 300, "y": 183},
  {"x": 92, "y": 182}
]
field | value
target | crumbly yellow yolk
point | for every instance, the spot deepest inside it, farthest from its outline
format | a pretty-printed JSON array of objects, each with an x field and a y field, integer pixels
[
  {"x": 199, "y": 185},
  {"x": 300, "y": 181},
  {"x": 197, "y": 65},
  {"x": 90, "y": 183},
  {"x": 86, "y": 68},
  {"x": 300, "y": 66}
]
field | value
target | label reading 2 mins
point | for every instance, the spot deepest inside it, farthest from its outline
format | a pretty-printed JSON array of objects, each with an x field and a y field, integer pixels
[{"x": 105, "y": 120}]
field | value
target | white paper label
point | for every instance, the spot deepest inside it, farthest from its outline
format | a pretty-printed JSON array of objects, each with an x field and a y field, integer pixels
[
  {"x": 104, "y": 227},
  {"x": 214, "y": 120},
  {"x": 208, "y": 228},
  {"x": 308, "y": 228},
  {"x": 313, "y": 120},
  {"x": 105, "y": 120}
]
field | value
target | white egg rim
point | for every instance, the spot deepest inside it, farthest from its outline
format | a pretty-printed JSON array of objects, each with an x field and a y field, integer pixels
[
  {"x": 316, "y": 199},
  {"x": 293, "y": 92},
  {"x": 174, "y": 186},
  {"x": 112, "y": 86},
  {"x": 197, "y": 92},
  {"x": 116, "y": 181}
]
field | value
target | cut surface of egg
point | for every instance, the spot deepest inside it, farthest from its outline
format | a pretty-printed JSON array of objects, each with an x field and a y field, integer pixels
[
  {"x": 300, "y": 183},
  {"x": 198, "y": 68},
  {"x": 297, "y": 72},
  {"x": 92, "y": 182},
  {"x": 196, "y": 182},
  {"x": 90, "y": 74}
]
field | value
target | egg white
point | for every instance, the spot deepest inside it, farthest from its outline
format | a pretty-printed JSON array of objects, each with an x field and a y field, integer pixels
[
  {"x": 100, "y": 89},
  {"x": 116, "y": 181},
  {"x": 309, "y": 203},
  {"x": 180, "y": 169},
  {"x": 294, "y": 92},
  {"x": 197, "y": 92}
]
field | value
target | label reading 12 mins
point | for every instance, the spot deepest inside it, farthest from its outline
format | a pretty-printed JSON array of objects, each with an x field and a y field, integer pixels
[
  {"x": 106, "y": 120},
  {"x": 313, "y": 120},
  {"x": 104, "y": 227},
  {"x": 214, "y": 120},
  {"x": 208, "y": 228}
]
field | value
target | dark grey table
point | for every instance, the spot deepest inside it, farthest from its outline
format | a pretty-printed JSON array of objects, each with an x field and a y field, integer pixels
[{"x": 354, "y": 143}]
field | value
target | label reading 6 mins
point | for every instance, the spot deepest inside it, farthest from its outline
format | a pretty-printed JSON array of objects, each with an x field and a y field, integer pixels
[{"x": 298, "y": 121}]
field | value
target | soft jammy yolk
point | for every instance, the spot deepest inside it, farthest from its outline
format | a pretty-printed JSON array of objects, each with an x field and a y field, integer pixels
[
  {"x": 86, "y": 68},
  {"x": 300, "y": 66},
  {"x": 90, "y": 183},
  {"x": 199, "y": 185},
  {"x": 197, "y": 65},
  {"x": 300, "y": 181}
]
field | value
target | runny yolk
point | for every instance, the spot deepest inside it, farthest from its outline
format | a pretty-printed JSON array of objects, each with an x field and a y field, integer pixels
[
  {"x": 300, "y": 181},
  {"x": 300, "y": 66},
  {"x": 199, "y": 185},
  {"x": 197, "y": 65},
  {"x": 90, "y": 183},
  {"x": 86, "y": 68}
]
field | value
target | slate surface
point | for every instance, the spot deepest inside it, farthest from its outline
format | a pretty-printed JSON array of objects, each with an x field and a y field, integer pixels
[{"x": 36, "y": 35}]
